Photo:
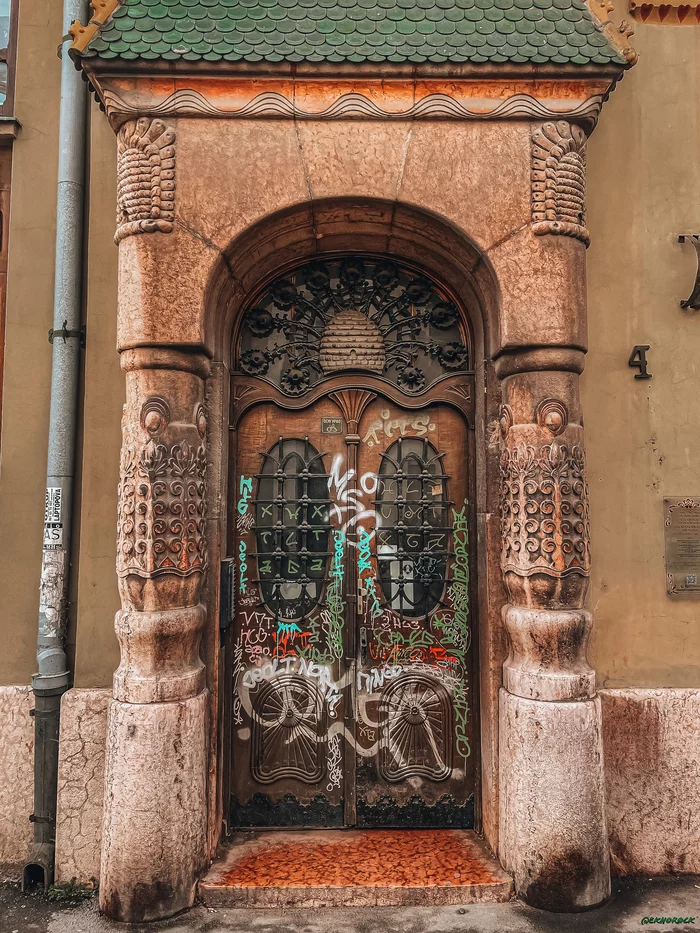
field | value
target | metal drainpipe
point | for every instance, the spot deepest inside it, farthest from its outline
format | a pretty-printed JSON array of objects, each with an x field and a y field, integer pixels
[{"x": 53, "y": 677}]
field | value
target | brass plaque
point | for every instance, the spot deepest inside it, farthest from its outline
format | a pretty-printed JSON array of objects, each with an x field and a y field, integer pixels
[
  {"x": 682, "y": 538},
  {"x": 331, "y": 425}
]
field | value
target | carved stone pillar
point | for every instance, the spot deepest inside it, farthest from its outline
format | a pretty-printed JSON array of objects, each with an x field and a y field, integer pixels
[
  {"x": 154, "y": 839},
  {"x": 553, "y": 834},
  {"x": 553, "y": 831}
]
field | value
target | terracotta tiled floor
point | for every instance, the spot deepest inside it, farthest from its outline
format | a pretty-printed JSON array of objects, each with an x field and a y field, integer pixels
[{"x": 352, "y": 861}]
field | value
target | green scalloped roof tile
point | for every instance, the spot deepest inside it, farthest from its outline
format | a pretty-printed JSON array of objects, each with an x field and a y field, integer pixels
[{"x": 560, "y": 31}]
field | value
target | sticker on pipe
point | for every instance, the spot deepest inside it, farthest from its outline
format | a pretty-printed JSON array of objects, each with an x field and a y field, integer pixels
[{"x": 53, "y": 515}]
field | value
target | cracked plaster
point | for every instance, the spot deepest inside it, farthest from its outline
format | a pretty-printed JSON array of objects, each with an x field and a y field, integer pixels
[
  {"x": 16, "y": 779},
  {"x": 81, "y": 769}
]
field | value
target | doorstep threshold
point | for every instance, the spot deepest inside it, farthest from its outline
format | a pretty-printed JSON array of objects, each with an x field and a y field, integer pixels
[{"x": 355, "y": 868}]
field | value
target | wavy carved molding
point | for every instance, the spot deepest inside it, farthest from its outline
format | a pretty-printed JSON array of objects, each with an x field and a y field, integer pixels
[{"x": 272, "y": 104}]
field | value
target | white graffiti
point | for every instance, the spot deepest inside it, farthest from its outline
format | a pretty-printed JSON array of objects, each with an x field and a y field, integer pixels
[
  {"x": 329, "y": 689},
  {"x": 420, "y": 424},
  {"x": 374, "y": 680},
  {"x": 244, "y": 522},
  {"x": 237, "y": 669},
  {"x": 348, "y": 500},
  {"x": 367, "y": 733},
  {"x": 335, "y": 771}
]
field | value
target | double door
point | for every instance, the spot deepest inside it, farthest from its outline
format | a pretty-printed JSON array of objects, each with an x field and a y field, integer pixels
[{"x": 352, "y": 657}]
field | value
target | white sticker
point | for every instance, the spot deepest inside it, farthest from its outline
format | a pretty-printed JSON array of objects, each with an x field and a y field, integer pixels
[
  {"x": 53, "y": 536},
  {"x": 52, "y": 509},
  {"x": 53, "y": 525}
]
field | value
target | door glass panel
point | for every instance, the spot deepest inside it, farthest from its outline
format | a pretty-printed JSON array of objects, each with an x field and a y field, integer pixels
[
  {"x": 412, "y": 526},
  {"x": 292, "y": 514}
]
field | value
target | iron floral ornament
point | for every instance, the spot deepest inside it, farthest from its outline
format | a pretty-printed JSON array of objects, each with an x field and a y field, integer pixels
[{"x": 352, "y": 314}]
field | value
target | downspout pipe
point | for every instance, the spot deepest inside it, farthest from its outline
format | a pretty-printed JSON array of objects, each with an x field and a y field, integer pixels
[{"x": 53, "y": 677}]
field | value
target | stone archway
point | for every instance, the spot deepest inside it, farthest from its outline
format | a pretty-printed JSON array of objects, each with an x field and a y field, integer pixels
[{"x": 180, "y": 292}]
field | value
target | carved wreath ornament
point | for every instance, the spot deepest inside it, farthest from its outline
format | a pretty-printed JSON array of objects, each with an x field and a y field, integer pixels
[
  {"x": 162, "y": 500},
  {"x": 544, "y": 511},
  {"x": 145, "y": 178},
  {"x": 559, "y": 180}
]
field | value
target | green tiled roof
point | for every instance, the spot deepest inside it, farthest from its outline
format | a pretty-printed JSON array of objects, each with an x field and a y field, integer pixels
[{"x": 401, "y": 31}]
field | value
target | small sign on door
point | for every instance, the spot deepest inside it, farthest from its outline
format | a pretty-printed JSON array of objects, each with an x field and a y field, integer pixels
[{"x": 331, "y": 425}]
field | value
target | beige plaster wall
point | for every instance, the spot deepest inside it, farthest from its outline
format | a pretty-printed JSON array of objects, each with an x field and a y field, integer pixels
[
  {"x": 27, "y": 351},
  {"x": 96, "y": 651},
  {"x": 643, "y": 437}
]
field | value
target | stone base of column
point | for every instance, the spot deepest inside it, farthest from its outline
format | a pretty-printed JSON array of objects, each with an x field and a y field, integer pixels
[
  {"x": 154, "y": 842},
  {"x": 553, "y": 834}
]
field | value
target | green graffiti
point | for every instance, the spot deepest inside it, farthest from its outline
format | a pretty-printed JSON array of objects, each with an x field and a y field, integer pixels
[
  {"x": 459, "y": 633},
  {"x": 334, "y": 616},
  {"x": 246, "y": 491},
  {"x": 242, "y": 566},
  {"x": 364, "y": 564}
]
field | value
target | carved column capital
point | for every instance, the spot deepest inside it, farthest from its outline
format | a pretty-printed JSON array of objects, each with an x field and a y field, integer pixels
[{"x": 545, "y": 533}]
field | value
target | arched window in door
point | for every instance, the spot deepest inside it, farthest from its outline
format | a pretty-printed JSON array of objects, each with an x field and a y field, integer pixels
[
  {"x": 292, "y": 527},
  {"x": 413, "y": 526}
]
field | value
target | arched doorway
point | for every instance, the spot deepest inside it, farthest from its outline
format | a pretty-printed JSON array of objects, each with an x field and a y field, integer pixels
[{"x": 351, "y": 489}]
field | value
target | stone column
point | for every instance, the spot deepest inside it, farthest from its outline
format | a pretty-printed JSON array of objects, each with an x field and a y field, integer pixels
[
  {"x": 553, "y": 835},
  {"x": 155, "y": 822}
]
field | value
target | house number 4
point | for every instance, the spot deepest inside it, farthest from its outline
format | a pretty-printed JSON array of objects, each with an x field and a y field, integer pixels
[{"x": 638, "y": 359}]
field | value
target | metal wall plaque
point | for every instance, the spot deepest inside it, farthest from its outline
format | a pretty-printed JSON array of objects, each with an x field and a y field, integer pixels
[
  {"x": 682, "y": 540},
  {"x": 331, "y": 425}
]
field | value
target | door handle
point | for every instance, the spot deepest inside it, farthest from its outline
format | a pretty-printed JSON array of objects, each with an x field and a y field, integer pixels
[{"x": 364, "y": 641}]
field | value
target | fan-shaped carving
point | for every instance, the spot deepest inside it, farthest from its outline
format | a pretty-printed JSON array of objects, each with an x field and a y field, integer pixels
[
  {"x": 416, "y": 730},
  {"x": 288, "y": 731},
  {"x": 559, "y": 180},
  {"x": 145, "y": 178}
]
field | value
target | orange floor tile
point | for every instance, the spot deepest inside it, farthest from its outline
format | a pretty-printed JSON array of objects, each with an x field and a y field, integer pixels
[{"x": 373, "y": 857}]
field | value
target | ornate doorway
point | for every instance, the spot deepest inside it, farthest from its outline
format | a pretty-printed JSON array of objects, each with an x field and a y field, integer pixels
[{"x": 351, "y": 532}]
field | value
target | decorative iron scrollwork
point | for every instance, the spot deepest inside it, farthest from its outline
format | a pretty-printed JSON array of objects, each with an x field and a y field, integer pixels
[{"x": 356, "y": 313}]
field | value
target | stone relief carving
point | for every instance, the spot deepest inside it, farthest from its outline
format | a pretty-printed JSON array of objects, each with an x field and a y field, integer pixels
[
  {"x": 145, "y": 178},
  {"x": 162, "y": 499},
  {"x": 544, "y": 511},
  {"x": 559, "y": 180},
  {"x": 349, "y": 106},
  {"x": 552, "y": 415}
]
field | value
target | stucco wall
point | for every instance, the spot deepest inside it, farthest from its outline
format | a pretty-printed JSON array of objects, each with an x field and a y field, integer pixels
[
  {"x": 27, "y": 351},
  {"x": 642, "y": 436},
  {"x": 96, "y": 651}
]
